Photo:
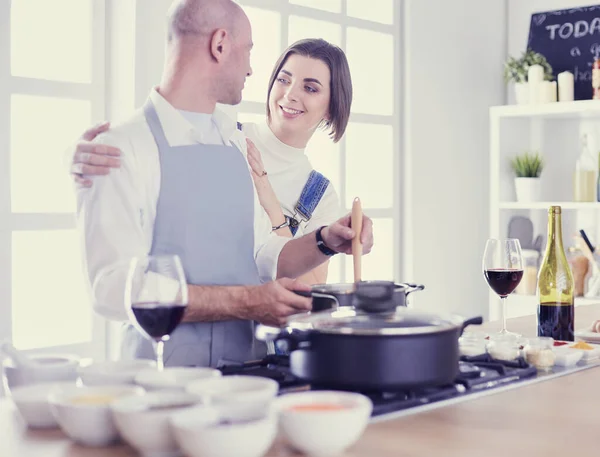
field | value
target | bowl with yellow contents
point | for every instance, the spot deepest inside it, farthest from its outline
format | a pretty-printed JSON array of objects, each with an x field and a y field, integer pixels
[
  {"x": 323, "y": 423},
  {"x": 84, "y": 415}
]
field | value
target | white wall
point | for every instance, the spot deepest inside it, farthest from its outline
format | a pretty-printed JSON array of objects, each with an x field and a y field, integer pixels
[{"x": 454, "y": 53}]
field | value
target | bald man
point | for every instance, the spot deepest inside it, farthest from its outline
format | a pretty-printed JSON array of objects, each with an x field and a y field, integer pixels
[{"x": 184, "y": 187}]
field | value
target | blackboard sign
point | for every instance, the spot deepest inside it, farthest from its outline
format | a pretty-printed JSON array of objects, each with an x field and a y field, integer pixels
[{"x": 570, "y": 41}]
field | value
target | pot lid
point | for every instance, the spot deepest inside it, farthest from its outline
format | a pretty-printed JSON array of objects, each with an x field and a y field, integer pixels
[{"x": 350, "y": 321}]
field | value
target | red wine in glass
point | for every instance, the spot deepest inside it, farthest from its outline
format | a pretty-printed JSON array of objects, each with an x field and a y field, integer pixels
[
  {"x": 503, "y": 270},
  {"x": 157, "y": 320},
  {"x": 156, "y": 298},
  {"x": 503, "y": 281}
]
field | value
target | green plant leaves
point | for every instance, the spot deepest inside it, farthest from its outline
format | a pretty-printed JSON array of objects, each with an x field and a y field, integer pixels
[
  {"x": 516, "y": 69},
  {"x": 527, "y": 165}
]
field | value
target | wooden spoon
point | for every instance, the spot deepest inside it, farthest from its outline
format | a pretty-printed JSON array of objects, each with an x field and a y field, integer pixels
[{"x": 356, "y": 222}]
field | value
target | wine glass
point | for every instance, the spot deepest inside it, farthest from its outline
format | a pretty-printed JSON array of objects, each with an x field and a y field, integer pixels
[
  {"x": 503, "y": 270},
  {"x": 156, "y": 297}
]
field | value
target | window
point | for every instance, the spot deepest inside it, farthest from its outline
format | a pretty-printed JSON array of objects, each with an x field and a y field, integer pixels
[
  {"x": 51, "y": 89},
  {"x": 363, "y": 162}
]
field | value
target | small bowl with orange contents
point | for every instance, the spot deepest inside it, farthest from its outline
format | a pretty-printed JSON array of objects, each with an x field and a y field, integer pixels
[{"x": 323, "y": 423}]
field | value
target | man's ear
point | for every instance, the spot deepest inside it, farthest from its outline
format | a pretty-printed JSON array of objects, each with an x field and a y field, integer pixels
[{"x": 219, "y": 44}]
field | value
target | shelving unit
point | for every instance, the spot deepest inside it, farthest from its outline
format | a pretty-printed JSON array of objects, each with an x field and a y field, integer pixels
[{"x": 553, "y": 129}]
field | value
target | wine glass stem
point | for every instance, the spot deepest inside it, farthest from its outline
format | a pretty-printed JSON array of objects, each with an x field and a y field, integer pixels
[
  {"x": 503, "y": 301},
  {"x": 160, "y": 346}
]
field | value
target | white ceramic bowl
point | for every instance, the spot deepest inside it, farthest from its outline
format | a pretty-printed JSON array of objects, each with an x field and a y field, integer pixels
[
  {"x": 45, "y": 368},
  {"x": 206, "y": 432},
  {"x": 234, "y": 389},
  {"x": 566, "y": 356},
  {"x": 173, "y": 378},
  {"x": 143, "y": 421},
  {"x": 32, "y": 403},
  {"x": 84, "y": 415},
  {"x": 113, "y": 372},
  {"x": 326, "y": 430}
]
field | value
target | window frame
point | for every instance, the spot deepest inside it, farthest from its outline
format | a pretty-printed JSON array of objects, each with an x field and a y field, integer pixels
[{"x": 11, "y": 222}]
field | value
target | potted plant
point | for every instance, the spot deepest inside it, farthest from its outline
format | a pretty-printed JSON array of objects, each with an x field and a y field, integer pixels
[
  {"x": 515, "y": 70},
  {"x": 527, "y": 168}
]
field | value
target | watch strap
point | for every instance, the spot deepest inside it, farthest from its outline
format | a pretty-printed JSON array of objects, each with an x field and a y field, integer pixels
[{"x": 321, "y": 244}]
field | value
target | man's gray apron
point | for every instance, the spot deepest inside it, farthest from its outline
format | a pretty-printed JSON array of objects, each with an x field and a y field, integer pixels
[{"x": 205, "y": 214}]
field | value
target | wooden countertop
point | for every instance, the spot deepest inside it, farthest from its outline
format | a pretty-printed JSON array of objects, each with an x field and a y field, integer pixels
[{"x": 551, "y": 418}]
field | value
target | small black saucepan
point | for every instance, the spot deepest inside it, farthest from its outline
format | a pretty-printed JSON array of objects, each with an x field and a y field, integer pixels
[{"x": 331, "y": 296}]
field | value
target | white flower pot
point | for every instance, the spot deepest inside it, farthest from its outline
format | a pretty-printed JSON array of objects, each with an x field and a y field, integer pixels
[
  {"x": 522, "y": 93},
  {"x": 528, "y": 189}
]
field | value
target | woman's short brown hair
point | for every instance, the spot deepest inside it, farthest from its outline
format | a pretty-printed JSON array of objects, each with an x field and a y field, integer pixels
[{"x": 341, "y": 83}]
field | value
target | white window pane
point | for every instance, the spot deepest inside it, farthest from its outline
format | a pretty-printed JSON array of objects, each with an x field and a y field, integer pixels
[
  {"x": 369, "y": 173},
  {"x": 379, "y": 263},
  {"x": 324, "y": 155},
  {"x": 50, "y": 304},
  {"x": 377, "y": 11},
  {"x": 52, "y": 39},
  {"x": 41, "y": 130},
  {"x": 251, "y": 117},
  {"x": 266, "y": 35},
  {"x": 335, "y": 6},
  {"x": 335, "y": 270},
  {"x": 302, "y": 27},
  {"x": 371, "y": 59}
]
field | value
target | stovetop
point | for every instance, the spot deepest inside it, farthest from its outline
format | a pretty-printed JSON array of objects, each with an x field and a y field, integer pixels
[{"x": 476, "y": 374}]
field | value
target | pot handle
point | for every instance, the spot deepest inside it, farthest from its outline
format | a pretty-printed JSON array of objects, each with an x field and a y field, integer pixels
[
  {"x": 292, "y": 338},
  {"x": 304, "y": 293},
  {"x": 472, "y": 321},
  {"x": 410, "y": 287}
]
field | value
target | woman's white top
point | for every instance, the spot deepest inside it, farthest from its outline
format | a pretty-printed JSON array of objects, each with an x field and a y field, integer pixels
[{"x": 288, "y": 169}]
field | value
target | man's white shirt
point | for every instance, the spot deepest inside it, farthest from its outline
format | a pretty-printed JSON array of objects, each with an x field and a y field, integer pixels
[{"x": 116, "y": 215}]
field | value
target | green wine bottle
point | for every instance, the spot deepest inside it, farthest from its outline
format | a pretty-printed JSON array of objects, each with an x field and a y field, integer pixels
[{"x": 556, "y": 308}]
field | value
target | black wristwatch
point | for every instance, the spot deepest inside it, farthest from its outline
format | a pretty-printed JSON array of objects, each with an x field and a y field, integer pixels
[{"x": 321, "y": 244}]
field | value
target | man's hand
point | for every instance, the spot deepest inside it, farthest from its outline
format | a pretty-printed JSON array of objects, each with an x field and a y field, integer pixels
[
  {"x": 338, "y": 236},
  {"x": 91, "y": 158},
  {"x": 272, "y": 303}
]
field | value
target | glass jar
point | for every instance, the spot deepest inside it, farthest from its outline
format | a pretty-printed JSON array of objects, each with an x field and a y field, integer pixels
[
  {"x": 539, "y": 353},
  {"x": 503, "y": 347},
  {"x": 471, "y": 344}
]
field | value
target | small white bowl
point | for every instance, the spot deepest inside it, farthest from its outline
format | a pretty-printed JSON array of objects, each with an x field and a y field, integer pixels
[
  {"x": 32, "y": 403},
  {"x": 324, "y": 431},
  {"x": 143, "y": 421},
  {"x": 566, "y": 356},
  {"x": 173, "y": 378},
  {"x": 206, "y": 432},
  {"x": 44, "y": 368},
  {"x": 113, "y": 372},
  {"x": 84, "y": 415},
  {"x": 234, "y": 389}
]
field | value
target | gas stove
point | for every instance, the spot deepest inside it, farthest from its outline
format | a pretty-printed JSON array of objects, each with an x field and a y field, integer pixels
[{"x": 476, "y": 375}]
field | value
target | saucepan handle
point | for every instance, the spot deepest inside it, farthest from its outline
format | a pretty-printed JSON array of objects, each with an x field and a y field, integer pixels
[
  {"x": 410, "y": 287},
  {"x": 303, "y": 293},
  {"x": 294, "y": 338},
  {"x": 472, "y": 321}
]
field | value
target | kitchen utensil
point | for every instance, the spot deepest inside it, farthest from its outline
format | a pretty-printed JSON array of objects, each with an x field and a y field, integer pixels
[
  {"x": 356, "y": 222},
  {"x": 328, "y": 296},
  {"x": 361, "y": 349}
]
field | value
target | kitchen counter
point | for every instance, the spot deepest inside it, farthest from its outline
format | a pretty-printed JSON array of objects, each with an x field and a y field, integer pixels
[{"x": 553, "y": 417}]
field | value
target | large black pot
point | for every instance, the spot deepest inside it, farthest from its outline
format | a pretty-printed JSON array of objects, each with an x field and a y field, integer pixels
[
  {"x": 331, "y": 296},
  {"x": 357, "y": 349}
]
